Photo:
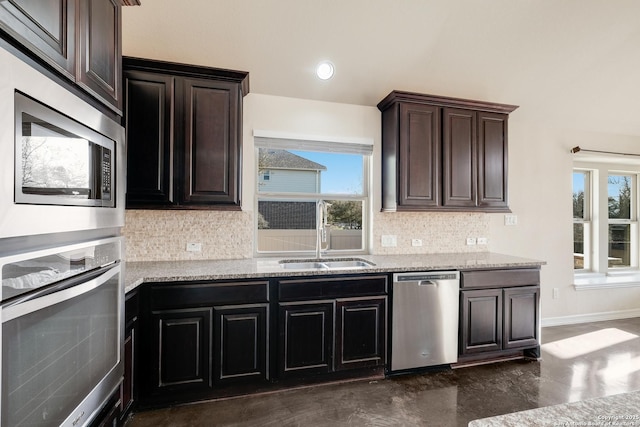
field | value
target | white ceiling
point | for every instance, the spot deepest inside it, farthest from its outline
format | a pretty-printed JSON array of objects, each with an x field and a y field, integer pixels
[{"x": 574, "y": 63}]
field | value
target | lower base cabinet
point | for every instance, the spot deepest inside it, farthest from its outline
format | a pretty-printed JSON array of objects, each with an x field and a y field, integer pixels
[
  {"x": 499, "y": 312},
  {"x": 306, "y": 338},
  {"x": 199, "y": 339},
  {"x": 331, "y": 325},
  {"x": 203, "y": 340},
  {"x": 361, "y": 333}
]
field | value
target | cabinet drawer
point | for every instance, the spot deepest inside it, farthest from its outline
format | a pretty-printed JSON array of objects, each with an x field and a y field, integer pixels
[
  {"x": 500, "y": 278},
  {"x": 335, "y": 287},
  {"x": 208, "y": 294}
]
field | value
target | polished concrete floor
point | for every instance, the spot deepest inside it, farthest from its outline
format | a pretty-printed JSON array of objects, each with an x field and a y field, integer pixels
[{"x": 578, "y": 362}]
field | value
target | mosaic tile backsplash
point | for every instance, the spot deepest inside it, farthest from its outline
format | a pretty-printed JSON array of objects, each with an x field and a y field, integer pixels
[{"x": 162, "y": 235}]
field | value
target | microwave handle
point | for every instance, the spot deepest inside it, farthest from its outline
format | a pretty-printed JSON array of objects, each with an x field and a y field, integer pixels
[{"x": 60, "y": 292}]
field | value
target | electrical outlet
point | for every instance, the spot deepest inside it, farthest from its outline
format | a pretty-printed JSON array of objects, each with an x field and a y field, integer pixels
[
  {"x": 556, "y": 293},
  {"x": 510, "y": 219},
  {"x": 416, "y": 242},
  {"x": 471, "y": 241},
  {"x": 389, "y": 240},
  {"x": 482, "y": 240},
  {"x": 194, "y": 247}
]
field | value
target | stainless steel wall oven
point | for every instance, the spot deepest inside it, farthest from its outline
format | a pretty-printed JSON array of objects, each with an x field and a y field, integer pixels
[{"x": 61, "y": 333}]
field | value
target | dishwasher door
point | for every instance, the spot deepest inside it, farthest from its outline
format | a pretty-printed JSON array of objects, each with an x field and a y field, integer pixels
[{"x": 424, "y": 319}]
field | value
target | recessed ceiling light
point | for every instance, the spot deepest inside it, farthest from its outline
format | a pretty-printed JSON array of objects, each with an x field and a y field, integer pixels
[{"x": 325, "y": 70}]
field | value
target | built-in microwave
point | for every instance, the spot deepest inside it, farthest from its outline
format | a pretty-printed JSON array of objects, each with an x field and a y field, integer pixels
[{"x": 60, "y": 161}]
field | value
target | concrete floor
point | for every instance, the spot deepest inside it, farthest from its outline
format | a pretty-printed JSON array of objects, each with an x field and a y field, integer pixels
[{"x": 578, "y": 362}]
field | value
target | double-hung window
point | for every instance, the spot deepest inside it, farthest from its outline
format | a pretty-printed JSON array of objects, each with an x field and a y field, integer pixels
[
  {"x": 312, "y": 197},
  {"x": 605, "y": 220}
]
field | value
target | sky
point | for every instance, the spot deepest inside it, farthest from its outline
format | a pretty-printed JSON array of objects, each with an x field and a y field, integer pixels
[{"x": 343, "y": 174}]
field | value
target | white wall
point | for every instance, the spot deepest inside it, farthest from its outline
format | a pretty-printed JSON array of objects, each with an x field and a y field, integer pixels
[{"x": 540, "y": 190}]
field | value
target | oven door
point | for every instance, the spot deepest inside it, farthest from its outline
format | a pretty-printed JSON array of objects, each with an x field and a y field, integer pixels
[{"x": 61, "y": 352}]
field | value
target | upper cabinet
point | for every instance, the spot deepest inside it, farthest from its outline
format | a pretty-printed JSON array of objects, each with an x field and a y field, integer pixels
[
  {"x": 79, "y": 39},
  {"x": 442, "y": 153},
  {"x": 184, "y": 133},
  {"x": 99, "y": 62}
]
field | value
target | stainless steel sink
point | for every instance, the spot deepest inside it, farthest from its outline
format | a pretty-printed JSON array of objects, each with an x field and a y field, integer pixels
[
  {"x": 352, "y": 263},
  {"x": 325, "y": 264},
  {"x": 305, "y": 265}
]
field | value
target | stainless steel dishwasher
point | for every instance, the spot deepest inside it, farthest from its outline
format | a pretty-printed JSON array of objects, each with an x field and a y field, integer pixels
[{"x": 424, "y": 319}]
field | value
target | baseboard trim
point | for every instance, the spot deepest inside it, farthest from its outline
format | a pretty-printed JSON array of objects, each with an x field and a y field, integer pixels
[{"x": 590, "y": 317}]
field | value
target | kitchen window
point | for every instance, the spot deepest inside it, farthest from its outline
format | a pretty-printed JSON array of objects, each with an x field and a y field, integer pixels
[
  {"x": 312, "y": 197},
  {"x": 605, "y": 227},
  {"x": 581, "y": 220}
]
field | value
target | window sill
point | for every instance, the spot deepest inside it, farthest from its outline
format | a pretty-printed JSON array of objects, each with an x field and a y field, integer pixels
[{"x": 589, "y": 281}]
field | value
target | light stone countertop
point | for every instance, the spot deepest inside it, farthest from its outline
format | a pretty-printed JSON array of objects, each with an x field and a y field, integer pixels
[
  {"x": 140, "y": 272},
  {"x": 617, "y": 410}
]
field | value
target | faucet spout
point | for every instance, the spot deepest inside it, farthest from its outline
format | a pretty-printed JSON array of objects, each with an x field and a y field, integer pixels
[{"x": 321, "y": 229}]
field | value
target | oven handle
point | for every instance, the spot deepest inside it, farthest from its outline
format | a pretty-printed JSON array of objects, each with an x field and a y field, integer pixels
[{"x": 63, "y": 291}]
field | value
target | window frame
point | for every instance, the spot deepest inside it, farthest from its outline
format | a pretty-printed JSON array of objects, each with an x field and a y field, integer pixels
[
  {"x": 365, "y": 150},
  {"x": 586, "y": 221},
  {"x": 596, "y": 218}
]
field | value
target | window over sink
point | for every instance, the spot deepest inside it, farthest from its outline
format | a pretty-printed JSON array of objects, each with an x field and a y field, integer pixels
[{"x": 312, "y": 197}]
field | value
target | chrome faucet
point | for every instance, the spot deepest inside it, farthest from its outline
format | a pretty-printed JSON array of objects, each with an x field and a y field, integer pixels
[{"x": 321, "y": 226}]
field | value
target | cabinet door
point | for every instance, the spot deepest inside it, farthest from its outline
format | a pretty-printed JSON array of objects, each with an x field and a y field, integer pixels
[
  {"x": 240, "y": 347},
  {"x": 211, "y": 111},
  {"x": 521, "y": 317},
  {"x": 46, "y": 27},
  {"x": 148, "y": 119},
  {"x": 492, "y": 160},
  {"x": 131, "y": 310},
  {"x": 480, "y": 321},
  {"x": 99, "y": 67},
  {"x": 361, "y": 333},
  {"x": 305, "y": 338},
  {"x": 419, "y": 161},
  {"x": 181, "y": 350},
  {"x": 459, "y": 173}
]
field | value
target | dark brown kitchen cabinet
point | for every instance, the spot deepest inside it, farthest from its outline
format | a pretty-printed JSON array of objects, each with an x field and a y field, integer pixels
[
  {"x": 521, "y": 317},
  {"x": 212, "y": 140},
  {"x": 80, "y": 39},
  {"x": 459, "y": 158},
  {"x": 200, "y": 339},
  {"x": 481, "y": 321},
  {"x": 331, "y": 324},
  {"x": 306, "y": 338},
  {"x": 47, "y": 28},
  {"x": 442, "y": 153},
  {"x": 181, "y": 349},
  {"x": 499, "y": 313},
  {"x": 148, "y": 112},
  {"x": 184, "y": 128},
  {"x": 100, "y": 50},
  {"x": 129, "y": 382},
  {"x": 240, "y": 337},
  {"x": 360, "y": 332}
]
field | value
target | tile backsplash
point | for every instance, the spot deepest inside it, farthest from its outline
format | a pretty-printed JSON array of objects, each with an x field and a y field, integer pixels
[
  {"x": 439, "y": 232},
  {"x": 162, "y": 235}
]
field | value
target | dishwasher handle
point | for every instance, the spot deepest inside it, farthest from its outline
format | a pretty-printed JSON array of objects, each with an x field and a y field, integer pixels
[{"x": 427, "y": 283}]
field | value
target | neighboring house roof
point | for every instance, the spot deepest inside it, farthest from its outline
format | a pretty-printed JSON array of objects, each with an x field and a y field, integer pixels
[{"x": 283, "y": 159}]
